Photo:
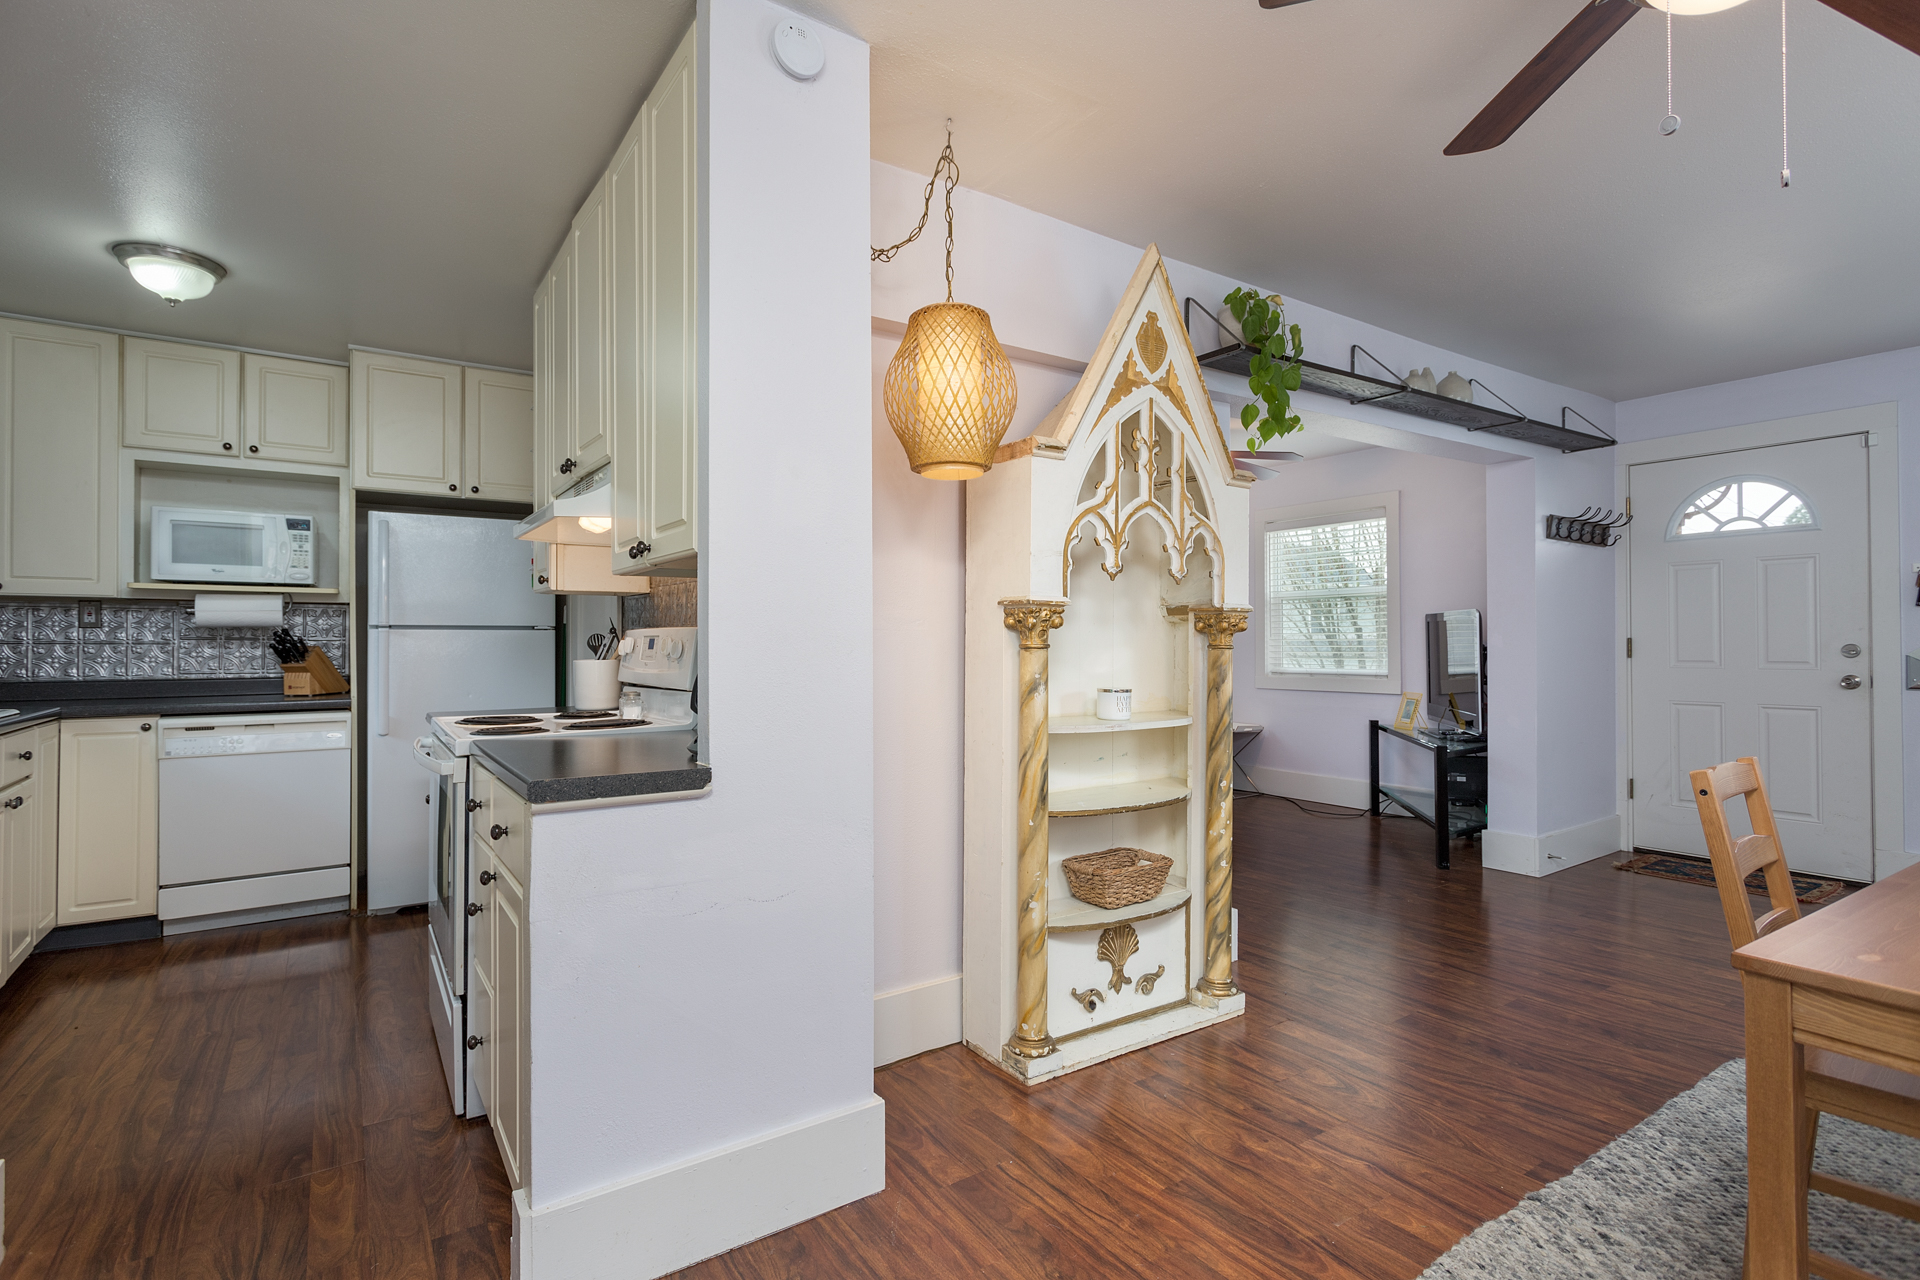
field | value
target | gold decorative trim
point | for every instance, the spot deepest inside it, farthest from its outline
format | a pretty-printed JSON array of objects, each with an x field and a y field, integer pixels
[
  {"x": 1118, "y": 944},
  {"x": 1143, "y": 985},
  {"x": 1151, "y": 342},
  {"x": 1033, "y": 619},
  {"x": 1112, "y": 523},
  {"x": 1169, "y": 386},
  {"x": 1125, "y": 383},
  {"x": 1220, "y": 626},
  {"x": 1088, "y": 999},
  {"x": 1181, "y": 1003}
]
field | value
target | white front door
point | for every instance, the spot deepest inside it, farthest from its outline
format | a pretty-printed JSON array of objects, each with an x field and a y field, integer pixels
[{"x": 1750, "y": 634}]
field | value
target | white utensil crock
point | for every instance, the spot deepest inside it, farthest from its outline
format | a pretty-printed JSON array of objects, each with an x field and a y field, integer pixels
[{"x": 596, "y": 684}]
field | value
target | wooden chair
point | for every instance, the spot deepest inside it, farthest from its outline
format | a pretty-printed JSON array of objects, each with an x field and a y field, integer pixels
[{"x": 1836, "y": 1084}]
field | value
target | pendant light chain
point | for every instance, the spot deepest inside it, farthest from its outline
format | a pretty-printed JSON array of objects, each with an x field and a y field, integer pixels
[
  {"x": 1786, "y": 172},
  {"x": 950, "y": 167}
]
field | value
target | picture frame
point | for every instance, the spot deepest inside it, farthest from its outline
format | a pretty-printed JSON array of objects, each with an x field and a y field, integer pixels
[{"x": 1409, "y": 712}]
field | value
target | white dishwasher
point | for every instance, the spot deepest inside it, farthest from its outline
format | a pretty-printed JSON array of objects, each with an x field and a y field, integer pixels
[{"x": 255, "y": 818}]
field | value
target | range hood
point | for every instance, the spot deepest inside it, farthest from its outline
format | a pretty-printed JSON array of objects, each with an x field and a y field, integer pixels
[{"x": 581, "y": 517}]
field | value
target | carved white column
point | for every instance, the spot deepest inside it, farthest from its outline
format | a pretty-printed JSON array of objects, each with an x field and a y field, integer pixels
[
  {"x": 1219, "y": 626},
  {"x": 1032, "y": 619}
]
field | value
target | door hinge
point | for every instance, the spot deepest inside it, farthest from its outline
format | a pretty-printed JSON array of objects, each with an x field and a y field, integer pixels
[
  {"x": 1629, "y": 788},
  {"x": 1629, "y": 646}
]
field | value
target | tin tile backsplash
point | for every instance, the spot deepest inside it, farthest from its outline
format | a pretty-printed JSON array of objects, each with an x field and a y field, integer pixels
[
  {"x": 152, "y": 640},
  {"x": 673, "y": 602}
]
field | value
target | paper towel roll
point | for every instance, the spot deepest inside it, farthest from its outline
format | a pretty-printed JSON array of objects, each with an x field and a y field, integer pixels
[{"x": 210, "y": 610}]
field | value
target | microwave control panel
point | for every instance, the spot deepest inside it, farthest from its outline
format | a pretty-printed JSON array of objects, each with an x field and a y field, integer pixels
[{"x": 300, "y": 541}]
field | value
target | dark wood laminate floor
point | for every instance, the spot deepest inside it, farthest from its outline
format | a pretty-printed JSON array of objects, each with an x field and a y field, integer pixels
[{"x": 1421, "y": 1049}]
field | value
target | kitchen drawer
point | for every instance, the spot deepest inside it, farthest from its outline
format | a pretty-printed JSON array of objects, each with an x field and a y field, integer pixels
[
  {"x": 500, "y": 808},
  {"x": 17, "y": 754}
]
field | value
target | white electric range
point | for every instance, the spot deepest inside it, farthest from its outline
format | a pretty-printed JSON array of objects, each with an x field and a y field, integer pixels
[{"x": 658, "y": 662}]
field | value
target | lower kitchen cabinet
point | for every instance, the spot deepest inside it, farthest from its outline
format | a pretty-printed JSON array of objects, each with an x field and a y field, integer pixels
[
  {"x": 109, "y": 865},
  {"x": 29, "y": 785},
  {"x": 502, "y": 831}
]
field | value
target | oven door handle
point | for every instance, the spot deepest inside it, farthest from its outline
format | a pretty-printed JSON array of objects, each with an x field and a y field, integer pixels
[{"x": 431, "y": 762}]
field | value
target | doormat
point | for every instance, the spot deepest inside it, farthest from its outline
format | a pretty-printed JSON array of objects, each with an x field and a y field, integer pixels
[{"x": 1673, "y": 866}]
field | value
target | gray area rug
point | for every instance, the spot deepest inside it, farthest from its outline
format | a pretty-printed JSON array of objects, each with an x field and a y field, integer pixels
[{"x": 1668, "y": 1198}]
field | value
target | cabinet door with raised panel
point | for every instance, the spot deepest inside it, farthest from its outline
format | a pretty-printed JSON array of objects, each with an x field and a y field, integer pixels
[
  {"x": 180, "y": 397},
  {"x": 109, "y": 865},
  {"x": 405, "y": 424},
  {"x": 507, "y": 1103},
  {"x": 59, "y": 460},
  {"x": 558, "y": 460},
  {"x": 46, "y": 785},
  {"x": 19, "y": 872},
  {"x": 499, "y": 436},
  {"x": 294, "y": 410},
  {"x": 588, "y": 336},
  {"x": 669, "y": 478},
  {"x": 625, "y": 337},
  {"x": 542, "y": 381}
]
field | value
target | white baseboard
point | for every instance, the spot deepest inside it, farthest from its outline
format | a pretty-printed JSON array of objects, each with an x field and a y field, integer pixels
[
  {"x": 915, "y": 1019},
  {"x": 1322, "y": 787},
  {"x": 660, "y": 1222},
  {"x": 1555, "y": 851}
]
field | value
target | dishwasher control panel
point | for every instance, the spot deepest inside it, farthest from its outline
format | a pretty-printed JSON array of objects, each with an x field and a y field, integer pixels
[{"x": 186, "y": 739}]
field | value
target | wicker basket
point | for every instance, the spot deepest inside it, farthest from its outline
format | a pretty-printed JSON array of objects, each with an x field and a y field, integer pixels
[{"x": 1117, "y": 877}]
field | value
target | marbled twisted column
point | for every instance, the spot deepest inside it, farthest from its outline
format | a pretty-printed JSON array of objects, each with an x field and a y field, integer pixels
[
  {"x": 1219, "y": 626},
  {"x": 1032, "y": 619}
]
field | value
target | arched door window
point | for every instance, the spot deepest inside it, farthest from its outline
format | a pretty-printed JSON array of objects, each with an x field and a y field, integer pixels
[{"x": 1742, "y": 504}]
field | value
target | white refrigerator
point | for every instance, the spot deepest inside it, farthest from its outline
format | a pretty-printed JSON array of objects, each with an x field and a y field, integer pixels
[{"x": 453, "y": 624}]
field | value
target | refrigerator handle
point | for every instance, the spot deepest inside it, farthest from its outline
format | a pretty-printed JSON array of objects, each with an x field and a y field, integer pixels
[
  {"x": 377, "y": 694},
  {"x": 379, "y": 571}
]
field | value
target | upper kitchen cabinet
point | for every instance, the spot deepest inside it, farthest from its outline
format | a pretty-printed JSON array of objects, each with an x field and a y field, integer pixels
[
  {"x": 180, "y": 397},
  {"x": 654, "y": 295},
  {"x": 542, "y": 384},
  {"x": 59, "y": 469},
  {"x": 498, "y": 440},
  {"x": 588, "y": 417},
  {"x": 293, "y": 410},
  {"x": 406, "y": 424}
]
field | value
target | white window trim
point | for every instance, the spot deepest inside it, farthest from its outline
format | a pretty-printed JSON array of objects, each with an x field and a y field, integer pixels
[{"x": 1327, "y": 513}]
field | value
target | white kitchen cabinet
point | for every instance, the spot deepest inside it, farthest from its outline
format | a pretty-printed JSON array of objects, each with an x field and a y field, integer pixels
[
  {"x": 28, "y": 773},
  {"x": 557, "y": 458},
  {"x": 46, "y": 771},
  {"x": 59, "y": 463},
  {"x": 109, "y": 863},
  {"x": 655, "y": 262},
  {"x": 587, "y": 340},
  {"x": 176, "y": 396},
  {"x": 561, "y": 568},
  {"x": 542, "y": 385},
  {"x": 498, "y": 436},
  {"x": 293, "y": 411},
  {"x": 502, "y": 837},
  {"x": 405, "y": 424}
]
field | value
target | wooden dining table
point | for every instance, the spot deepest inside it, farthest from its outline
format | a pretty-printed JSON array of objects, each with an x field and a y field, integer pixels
[{"x": 1844, "y": 978}]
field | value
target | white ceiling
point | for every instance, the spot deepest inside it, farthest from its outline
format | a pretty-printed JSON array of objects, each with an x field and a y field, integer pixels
[
  {"x": 389, "y": 174},
  {"x": 396, "y": 175},
  {"x": 1301, "y": 148}
]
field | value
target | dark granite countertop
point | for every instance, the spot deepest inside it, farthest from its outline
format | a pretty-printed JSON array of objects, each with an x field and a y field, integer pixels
[
  {"x": 554, "y": 770},
  {"x": 39, "y": 700}
]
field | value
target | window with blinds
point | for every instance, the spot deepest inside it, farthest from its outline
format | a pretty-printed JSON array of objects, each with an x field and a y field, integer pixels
[{"x": 1327, "y": 609}]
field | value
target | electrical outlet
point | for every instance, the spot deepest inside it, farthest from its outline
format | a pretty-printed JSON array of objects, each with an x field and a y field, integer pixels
[{"x": 90, "y": 614}]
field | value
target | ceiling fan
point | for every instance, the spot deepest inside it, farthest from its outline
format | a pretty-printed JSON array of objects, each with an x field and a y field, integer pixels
[{"x": 1595, "y": 23}]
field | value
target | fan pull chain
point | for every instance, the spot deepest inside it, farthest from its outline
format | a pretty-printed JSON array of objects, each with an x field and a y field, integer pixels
[
  {"x": 1786, "y": 173},
  {"x": 1671, "y": 125}
]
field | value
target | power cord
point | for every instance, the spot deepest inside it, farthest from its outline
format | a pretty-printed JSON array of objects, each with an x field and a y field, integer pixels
[{"x": 1251, "y": 790}]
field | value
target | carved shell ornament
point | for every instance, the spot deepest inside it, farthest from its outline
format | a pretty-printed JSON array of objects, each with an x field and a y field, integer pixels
[{"x": 1117, "y": 946}]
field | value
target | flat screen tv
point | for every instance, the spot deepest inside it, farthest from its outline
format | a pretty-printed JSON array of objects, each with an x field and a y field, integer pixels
[{"x": 1456, "y": 671}]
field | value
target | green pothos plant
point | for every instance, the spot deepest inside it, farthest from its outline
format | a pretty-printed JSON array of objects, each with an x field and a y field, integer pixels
[{"x": 1274, "y": 374}]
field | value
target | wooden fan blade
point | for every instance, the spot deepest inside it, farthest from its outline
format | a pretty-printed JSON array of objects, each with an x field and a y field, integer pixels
[
  {"x": 1897, "y": 20},
  {"x": 1279, "y": 4},
  {"x": 1551, "y": 68}
]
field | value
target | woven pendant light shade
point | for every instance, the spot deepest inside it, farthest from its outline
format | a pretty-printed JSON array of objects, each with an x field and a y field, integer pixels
[{"x": 950, "y": 392}]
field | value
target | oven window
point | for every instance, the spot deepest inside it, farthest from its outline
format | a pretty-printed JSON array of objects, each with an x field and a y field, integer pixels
[{"x": 208, "y": 542}]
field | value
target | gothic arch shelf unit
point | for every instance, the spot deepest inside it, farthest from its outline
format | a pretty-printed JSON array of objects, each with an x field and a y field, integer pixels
[{"x": 1107, "y": 549}]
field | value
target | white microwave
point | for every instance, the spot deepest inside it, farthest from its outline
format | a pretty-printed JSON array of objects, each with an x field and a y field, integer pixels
[{"x": 190, "y": 544}]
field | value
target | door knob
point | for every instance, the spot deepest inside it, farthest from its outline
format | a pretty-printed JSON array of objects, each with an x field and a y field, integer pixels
[
  {"x": 474, "y": 1042},
  {"x": 487, "y": 877},
  {"x": 1849, "y": 650},
  {"x": 426, "y": 799},
  {"x": 473, "y": 806},
  {"x": 1849, "y": 682},
  {"x": 474, "y": 908},
  {"x": 497, "y": 831}
]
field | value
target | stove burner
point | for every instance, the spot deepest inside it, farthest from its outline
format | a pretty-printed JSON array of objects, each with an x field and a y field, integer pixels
[
  {"x": 582, "y": 715},
  {"x": 499, "y": 720},
  {"x": 607, "y": 724},
  {"x": 501, "y": 730}
]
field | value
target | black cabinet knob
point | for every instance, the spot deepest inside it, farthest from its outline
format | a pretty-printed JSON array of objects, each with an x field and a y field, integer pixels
[
  {"x": 473, "y": 806},
  {"x": 639, "y": 549},
  {"x": 474, "y": 1042},
  {"x": 476, "y": 488},
  {"x": 487, "y": 877},
  {"x": 474, "y": 908},
  {"x": 26, "y": 755},
  {"x": 253, "y": 448},
  {"x": 453, "y": 488},
  {"x": 16, "y": 802},
  {"x": 426, "y": 799},
  {"x": 227, "y": 447},
  {"x": 497, "y": 831},
  {"x": 568, "y": 466},
  {"x": 543, "y": 579},
  {"x": 146, "y": 728}
]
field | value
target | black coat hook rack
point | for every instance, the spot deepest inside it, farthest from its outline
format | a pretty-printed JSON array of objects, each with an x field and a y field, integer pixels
[{"x": 1592, "y": 527}]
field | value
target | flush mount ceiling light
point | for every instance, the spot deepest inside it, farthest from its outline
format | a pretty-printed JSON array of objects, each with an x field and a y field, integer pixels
[{"x": 178, "y": 275}]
